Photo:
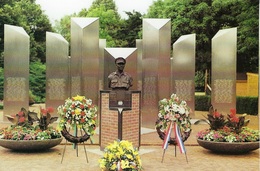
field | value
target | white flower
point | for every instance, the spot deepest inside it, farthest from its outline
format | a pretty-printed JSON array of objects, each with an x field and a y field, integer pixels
[{"x": 181, "y": 110}]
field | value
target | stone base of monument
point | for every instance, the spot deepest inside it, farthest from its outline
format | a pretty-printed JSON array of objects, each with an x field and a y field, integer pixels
[{"x": 115, "y": 125}]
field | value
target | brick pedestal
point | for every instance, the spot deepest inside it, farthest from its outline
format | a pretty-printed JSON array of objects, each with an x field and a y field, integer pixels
[{"x": 131, "y": 129}]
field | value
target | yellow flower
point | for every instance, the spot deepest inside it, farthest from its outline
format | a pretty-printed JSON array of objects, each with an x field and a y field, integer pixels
[
  {"x": 79, "y": 98},
  {"x": 129, "y": 156},
  {"x": 113, "y": 167},
  {"x": 77, "y": 111},
  {"x": 124, "y": 164},
  {"x": 102, "y": 163}
]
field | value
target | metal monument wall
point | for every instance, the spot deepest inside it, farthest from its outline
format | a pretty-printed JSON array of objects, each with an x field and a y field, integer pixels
[
  {"x": 85, "y": 57},
  {"x": 223, "y": 82},
  {"x": 183, "y": 69},
  {"x": 155, "y": 67},
  {"x": 57, "y": 70},
  {"x": 139, "y": 46},
  {"x": 102, "y": 46},
  {"x": 16, "y": 70},
  {"x": 130, "y": 54}
]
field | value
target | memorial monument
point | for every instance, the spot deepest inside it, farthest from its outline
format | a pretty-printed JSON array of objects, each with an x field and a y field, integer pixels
[
  {"x": 223, "y": 82},
  {"x": 120, "y": 107},
  {"x": 156, "y": 69},
  {"x": 16, "y": 70},
  {"x": 57, "y": 70},
  {"x": 85, "y": 57},
  {"x": 183, "y": 69}
]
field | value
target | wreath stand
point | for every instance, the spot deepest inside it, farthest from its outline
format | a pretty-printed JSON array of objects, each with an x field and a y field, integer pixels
[
  {"x": 172, "y": 141},
  {"x": 174, "y": 153},
  {"x": 75, "y": 140}
]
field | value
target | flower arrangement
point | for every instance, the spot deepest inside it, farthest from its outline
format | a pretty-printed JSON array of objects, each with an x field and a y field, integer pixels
[
  {"x": 231, "y": 129},
  {"x": 173, "y": 110},
  {"x": 23, "y": 129},
  {"x": 120, "y": 155},
  {"x": 78, "y": 112}
]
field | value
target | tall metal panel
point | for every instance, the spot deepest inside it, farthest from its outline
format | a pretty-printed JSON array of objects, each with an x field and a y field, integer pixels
[
  {"x": 102, "y": 46},
  {"x": 85, "y": 57},
  {"x": 139, "y": 46},
  {"x": 130, "y": 54},
  {"x": 223, "y": 83},
  {"x": 16, "y": 69},
  {"x": 57, "y": 70},
  {"x": 156, "y": 67},
  {"x": 183, "y": 69}
]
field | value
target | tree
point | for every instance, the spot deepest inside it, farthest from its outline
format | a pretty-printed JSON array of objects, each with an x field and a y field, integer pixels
[
  {"x": 26, "y": 14},
  {"x": 244, "y": 15},
  {"x": 205, "y": 18},
  {"x": 109, "y": 19},
  {"x": 187, "y": 17},
  {"x": 131, "y": 29}
]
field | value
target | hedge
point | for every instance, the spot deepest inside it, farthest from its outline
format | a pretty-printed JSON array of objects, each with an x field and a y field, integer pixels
[{"x": 245, "y": 104}]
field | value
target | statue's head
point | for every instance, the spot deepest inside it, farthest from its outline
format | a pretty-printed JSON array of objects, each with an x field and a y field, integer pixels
[
  {"x": 120, "y": 63},
  {"x": 120, "y": 60}
]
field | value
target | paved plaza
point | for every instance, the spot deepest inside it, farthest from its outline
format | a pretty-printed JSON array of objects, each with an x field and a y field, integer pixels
[{"x": 199, "y": 159}]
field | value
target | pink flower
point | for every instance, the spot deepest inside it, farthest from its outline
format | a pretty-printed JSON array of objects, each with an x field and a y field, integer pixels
[
  {"x": 216, "y": 114},
  {"x": 21, "y": 119},
  {"x": 20, "y": 113},
  {"x": 50, "y": 109}
]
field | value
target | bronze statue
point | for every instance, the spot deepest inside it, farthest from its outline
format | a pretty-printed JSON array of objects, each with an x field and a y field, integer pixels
[{"x": 120, "y": 80}]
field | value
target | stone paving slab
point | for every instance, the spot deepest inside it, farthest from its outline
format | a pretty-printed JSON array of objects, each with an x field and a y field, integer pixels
[{"x": 199, "y": 159}]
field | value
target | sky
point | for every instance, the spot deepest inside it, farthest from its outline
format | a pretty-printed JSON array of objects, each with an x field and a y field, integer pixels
[{"x": 56, "y": 9}]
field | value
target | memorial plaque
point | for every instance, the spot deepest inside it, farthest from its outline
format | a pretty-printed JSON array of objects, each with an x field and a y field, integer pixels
[
  {"x": 57, "y": 70},
  {"x": 16, "y": 70},
  {"x": 120, "y": 99},
  {"x": 85, "y": 56},
  {"x": 183, "y": 69},
  {"x": 155, "y": 67},
  {"x": 223, "y": 82}
]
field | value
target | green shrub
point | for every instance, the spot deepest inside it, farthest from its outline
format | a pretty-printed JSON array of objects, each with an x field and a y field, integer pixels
[
  {"x": 248, "y": 105},
  {"x": 202, "y": 102}
]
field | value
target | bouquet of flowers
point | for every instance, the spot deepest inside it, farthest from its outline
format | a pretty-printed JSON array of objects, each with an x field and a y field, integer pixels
[
  {"x": 78, "y": 112},
  {"x": 23, "y": 129},
  {"x": 120, "y": 155}
]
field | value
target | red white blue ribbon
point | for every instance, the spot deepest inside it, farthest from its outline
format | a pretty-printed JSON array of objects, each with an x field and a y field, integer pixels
[{"x": 178, "y": 138}]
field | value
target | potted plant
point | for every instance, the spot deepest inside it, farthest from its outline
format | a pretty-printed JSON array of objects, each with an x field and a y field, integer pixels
[
  {"x": 120, "y": 155},
  {"x": 24, "y": 136},
  {"x": 228, "y": 134}
]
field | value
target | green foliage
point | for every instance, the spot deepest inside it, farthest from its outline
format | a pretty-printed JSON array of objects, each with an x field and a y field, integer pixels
[
  {"x": 28, "y": 15},
  {"x": 116, "y": 31},
  {"x": 205, "y": 18},
  {"x": 199, "y": 80},
  {"x": 37, "y": 80},
  {"x": 131, "y": 29},
  {"x": 202, "y": 103},
  {"x": 248, "y": 105}
]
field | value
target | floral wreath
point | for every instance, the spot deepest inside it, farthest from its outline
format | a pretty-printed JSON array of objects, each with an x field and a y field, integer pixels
[
  {"x": 173, "y": 110},
  {"x": 78, "y": 112}
]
